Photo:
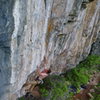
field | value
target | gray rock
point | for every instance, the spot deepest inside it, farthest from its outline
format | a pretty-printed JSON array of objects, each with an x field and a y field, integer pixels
[
  {"x": 62, "y": 31},
  {"x": 96, "y": 46}
]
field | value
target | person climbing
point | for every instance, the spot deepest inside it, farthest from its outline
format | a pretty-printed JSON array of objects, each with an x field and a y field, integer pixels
[
  {"x": 33, "y": 81},
  {"x": 42, "y": 74},
  {"x": 29, "y": 85}
]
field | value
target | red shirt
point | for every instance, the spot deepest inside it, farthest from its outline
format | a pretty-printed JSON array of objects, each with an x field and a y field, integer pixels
[{"x": 45, "y": 71}]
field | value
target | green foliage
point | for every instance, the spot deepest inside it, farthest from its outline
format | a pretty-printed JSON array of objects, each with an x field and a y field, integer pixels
[
  {"x": 22, "y": 98},
  {"x": 82, "y": 72},
  {"x": 90, "y": 61},
  {"x": 96, "y": 94},
  {"x": 57, "y": 86},
  {"x": 77, "y": 76},
  {"x": 59, "y": 90},
  {"x": 44, "y": 92}
]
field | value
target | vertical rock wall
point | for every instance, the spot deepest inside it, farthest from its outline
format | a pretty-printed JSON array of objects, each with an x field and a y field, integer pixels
[
  {"x": 23, "y": 24},
  {"x": 74, "y": 26},
  {"x": 6, "y": 31},
  {"x": 61, "y": 30},
  {"x": 96, "y": 46}
]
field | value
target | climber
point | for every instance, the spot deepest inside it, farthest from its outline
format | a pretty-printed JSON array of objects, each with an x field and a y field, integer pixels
[{"x": 42, "y": 74}]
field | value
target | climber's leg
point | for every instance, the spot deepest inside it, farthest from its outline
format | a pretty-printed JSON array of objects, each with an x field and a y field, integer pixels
[{"x": 39, "y": 80}]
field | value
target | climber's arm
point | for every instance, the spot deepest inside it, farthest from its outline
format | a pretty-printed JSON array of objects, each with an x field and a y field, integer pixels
[{"x": 43, "y": 74}]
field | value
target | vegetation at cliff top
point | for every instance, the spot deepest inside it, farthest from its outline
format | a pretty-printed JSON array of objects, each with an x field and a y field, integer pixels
[
  {"x": 57, "y": 87},
  {"x": 96, "y": 94}
]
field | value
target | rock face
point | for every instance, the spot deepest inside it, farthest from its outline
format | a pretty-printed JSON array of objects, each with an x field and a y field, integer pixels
[
  {"x": 96, "y": 46},
  {"x": 62, "y": 31}
]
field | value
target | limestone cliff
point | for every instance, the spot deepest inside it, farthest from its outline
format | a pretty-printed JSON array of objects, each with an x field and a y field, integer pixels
[{"x": 60, "y": 30}]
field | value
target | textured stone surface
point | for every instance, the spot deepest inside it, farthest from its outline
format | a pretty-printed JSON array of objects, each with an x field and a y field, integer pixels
[
  {"x": 6, "y": 30},
  {"x": 96, "y": 46},
  {"x": 74, "y": 29},
  {"x": 61, "y": 30}
]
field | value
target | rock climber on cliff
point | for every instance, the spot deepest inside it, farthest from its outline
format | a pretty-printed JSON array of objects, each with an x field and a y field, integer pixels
[
  {"x": 42, "y": 74},
  {"x": 29, "y": 85}
]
